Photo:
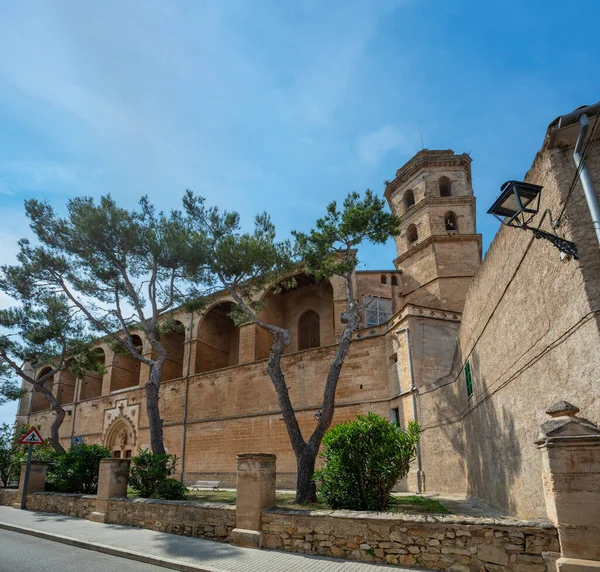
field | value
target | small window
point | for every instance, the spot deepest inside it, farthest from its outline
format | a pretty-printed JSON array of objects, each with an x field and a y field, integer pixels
[
  {"x": 128, "y": 454},
  {"x": 394, "y": 281},
  {"x": 394, "y": 359},
  {"x": 409, "y": 200},
  {"x": 383, "y": 279},
  {"x": 450, "y": 222},
  {"x": 117, "y": 454},
  {"x": 445, "y": 187},
  {"x": 395, "y": 416},
  {"x": 469, "y": 380},
  {"x": 309, "y": 334},
  {"x": 377, "y": 310},
  {"x": 412, "y": 235}
]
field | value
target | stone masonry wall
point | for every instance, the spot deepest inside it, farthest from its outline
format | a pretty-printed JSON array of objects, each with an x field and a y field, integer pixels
[
  {"x": 80, "y": 506},
  {"x": 459, "y": 544},
  {"x": 214, "y": 521},
  {"x": 8, "y": 497}
]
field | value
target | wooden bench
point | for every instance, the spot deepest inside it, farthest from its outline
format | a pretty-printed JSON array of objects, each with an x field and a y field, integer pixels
[{"x": 214, "y": 485}]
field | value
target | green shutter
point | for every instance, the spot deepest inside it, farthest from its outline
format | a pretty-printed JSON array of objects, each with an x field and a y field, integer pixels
[{"x": 468, "y": 378}]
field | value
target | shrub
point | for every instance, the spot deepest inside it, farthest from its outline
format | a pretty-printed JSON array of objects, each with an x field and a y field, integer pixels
[
  {"x": 363, "y": 460},
  {"x": 150, "y": 472},
  {"x": 76, "y": 471},
  {"x": 171, "y": 489}
]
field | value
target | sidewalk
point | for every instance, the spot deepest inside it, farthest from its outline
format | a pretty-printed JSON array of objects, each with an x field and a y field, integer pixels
[{"x": 170, "y": 550}]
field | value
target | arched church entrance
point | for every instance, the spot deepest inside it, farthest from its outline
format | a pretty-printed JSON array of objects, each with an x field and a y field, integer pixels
[{"x": 120, "y": 438}]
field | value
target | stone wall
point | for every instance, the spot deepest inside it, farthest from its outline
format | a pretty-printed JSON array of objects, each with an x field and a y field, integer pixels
[
  {"x": 8, "y": 497},
  {"x": 213, "y": 521},
  {"x": 433, "y": 542},
  {"x": 80, "y": 506},
  {"x": 530, "y": 333}
]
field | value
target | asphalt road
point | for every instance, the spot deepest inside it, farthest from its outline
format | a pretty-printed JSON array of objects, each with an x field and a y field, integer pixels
[{"x": 24, "y": 553}]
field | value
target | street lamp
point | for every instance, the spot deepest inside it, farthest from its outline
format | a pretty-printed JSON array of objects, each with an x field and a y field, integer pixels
[{"x": 516, "y": 206}]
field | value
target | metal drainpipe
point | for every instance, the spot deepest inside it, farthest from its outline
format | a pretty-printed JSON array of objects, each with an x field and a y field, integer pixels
[
  {"x": 584, "y": 175},
  {"x": 413, "y": 392},
  {"x": 185, "y": 398}
]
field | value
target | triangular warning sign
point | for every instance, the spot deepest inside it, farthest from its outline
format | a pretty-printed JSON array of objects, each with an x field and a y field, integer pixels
[{"x": 32, "y": 437}]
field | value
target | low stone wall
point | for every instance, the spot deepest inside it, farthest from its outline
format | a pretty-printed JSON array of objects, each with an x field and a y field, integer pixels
[
  {"x": 439, "y": 542},
  {"x": 214, "y": 521},
  {"x": 80, "y": 506},
  {"x": 8, "y": 497}
]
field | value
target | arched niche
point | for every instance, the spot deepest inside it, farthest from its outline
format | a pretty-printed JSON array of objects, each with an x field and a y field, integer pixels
[
  {"x": 174, "y": 343},
  {"x": 412, "y": 236},
  {"x": 451, "y": 222},
  {"x": 394, "y": 280},
  {"x": 218, "y": 343},
  {"x": 409, "y": 199},
  {"x": 383, "y": 279},
  {"x": 284, "y": 306},
  {"x": 121, "y": 438},
  {"x": 39, "y": 401},
  {"x": 309, "y": 330},
  {"x": 91, "y": 383},
  {"x": 125, "y": 371},
  {"x": 445, "y": 186}
]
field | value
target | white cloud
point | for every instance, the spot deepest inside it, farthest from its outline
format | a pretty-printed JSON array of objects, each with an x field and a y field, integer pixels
[{"x": 373, "y": 146}]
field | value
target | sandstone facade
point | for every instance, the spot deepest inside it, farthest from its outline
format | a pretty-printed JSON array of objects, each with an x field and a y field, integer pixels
[{"x": 524, "y": 323}]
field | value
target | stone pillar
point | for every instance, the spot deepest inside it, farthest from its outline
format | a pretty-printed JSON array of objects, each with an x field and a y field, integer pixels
[
  {"x": 256, "y": 474},
  {"x": 247, "y": 342},
  {"x": 570, "y": 447},
  {"x": 37, "y": 479},
  {"x": 112, "y": 482}
]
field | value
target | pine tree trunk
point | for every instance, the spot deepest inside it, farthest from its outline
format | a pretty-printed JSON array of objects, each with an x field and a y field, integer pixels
[
  {"x": 306, "y": 488},
  {"x": 154, "y": 420},
  {"x": 55, "y": 427}
]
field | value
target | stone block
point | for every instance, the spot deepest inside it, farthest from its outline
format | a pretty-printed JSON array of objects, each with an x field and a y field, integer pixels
[
  {"x": 493, "y": 554},
  {"x": 101, "y": 517},
  {"x": 246, "y": 538},
  {"x": 577, "y": 565}
]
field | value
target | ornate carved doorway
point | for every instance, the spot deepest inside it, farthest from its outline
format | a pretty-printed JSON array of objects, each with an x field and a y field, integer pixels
[{"x": 120, "y": 438}]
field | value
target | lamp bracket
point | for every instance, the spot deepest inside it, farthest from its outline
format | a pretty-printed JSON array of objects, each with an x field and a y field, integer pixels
[{"x": 566, "y": 246}]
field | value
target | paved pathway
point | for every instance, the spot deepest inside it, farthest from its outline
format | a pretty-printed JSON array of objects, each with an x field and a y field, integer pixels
[{"x": 169, "y": 550}]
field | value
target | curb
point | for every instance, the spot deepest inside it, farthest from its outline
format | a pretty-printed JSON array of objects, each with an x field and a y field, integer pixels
[{"x": 105, "y": 549}]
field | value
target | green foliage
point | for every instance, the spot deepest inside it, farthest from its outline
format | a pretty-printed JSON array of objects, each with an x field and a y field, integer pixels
[
  {"x": 6, "y": 453},
  {"x": 76, "y": 471},
  {"x": 12, "y": 454},
  {"x": 150, "y": 472},
  {"x": 171, "y": 489},
  {"x": 245, "y": 261},
  {"x": 330, "y": 248},
  {"x": 363, "y": 460}
]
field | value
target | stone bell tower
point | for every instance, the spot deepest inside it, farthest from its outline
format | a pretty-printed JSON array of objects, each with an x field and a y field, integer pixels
[{"x": 438, "y": 247}]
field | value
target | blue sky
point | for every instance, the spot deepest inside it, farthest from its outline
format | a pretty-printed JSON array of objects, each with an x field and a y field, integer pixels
[{"x": 283, "y": 106}]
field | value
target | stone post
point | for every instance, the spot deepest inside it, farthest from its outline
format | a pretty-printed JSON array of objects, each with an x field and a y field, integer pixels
[
  {"x": 256, "y": 474},
  {"x": 112, "y": 482},
  {"x": 37, "y": 479},
  {"x": 570, "y": 447}
]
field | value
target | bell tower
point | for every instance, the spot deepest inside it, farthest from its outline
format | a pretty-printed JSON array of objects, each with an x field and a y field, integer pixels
[{"x": 438, "y": 247}]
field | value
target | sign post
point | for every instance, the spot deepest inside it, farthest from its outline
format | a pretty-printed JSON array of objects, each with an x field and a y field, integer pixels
[{"x": 31, "y": 438}]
